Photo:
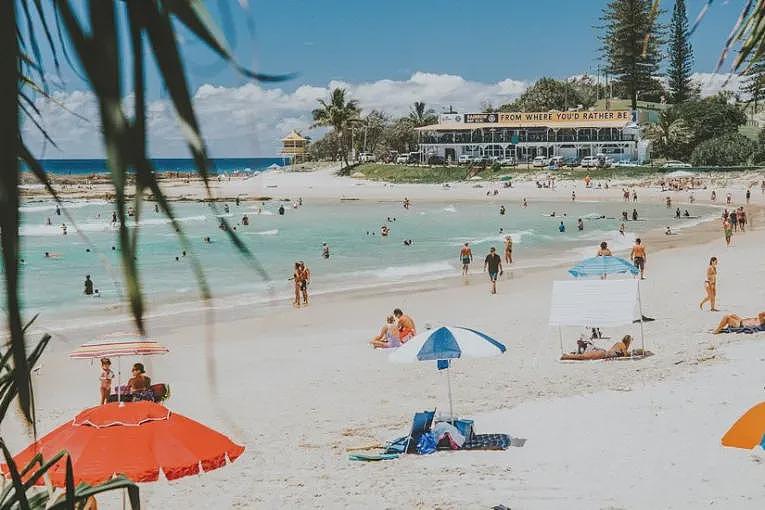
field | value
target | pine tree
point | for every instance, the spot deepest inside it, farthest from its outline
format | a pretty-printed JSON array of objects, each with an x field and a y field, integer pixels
[
  {"x": 631, "y": 38},
  {"x": 754, "y": 81},
  {"x": 680, "y": 56}
]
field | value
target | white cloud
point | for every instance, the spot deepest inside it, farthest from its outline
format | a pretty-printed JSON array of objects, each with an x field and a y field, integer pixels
[
  {"x": 249, "y": 120},
  {"x": 712, "y": 83}
]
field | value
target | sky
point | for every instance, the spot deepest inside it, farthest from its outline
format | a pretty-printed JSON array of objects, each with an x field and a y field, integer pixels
[{"x": 387, "y": 54}]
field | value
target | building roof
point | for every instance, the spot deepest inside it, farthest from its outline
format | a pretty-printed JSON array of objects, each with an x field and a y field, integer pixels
[
  {"x": 461, "y": 126},
  {"x": 294, "y": 136}
]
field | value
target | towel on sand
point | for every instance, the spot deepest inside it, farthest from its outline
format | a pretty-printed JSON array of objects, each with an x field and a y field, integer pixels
[
  {"x": 746, "y": 329},
  {"x": 487, "y": 442}
]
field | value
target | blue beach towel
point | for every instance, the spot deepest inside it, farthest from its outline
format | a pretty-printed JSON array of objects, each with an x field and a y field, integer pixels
[{"x": 746, "y": 329}]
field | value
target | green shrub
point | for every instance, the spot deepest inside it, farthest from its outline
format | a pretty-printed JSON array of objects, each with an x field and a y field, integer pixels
[{"x": 726, "y": 150}]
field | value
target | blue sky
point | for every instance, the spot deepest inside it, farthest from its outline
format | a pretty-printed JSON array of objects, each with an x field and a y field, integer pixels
[{"x": 447, "y": 52}]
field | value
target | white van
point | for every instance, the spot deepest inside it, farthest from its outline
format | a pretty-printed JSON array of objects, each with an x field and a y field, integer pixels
[{"x": 540, "y": 162}]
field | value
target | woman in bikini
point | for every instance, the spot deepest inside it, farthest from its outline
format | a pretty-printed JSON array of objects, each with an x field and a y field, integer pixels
[
  {"x": 388, "y": 335},
  {"x": 710, "y": 284},
  {"x": 734, "y": 321},
  {"x": 297, "y": 276},
  {"x": 618, "y": 350}
]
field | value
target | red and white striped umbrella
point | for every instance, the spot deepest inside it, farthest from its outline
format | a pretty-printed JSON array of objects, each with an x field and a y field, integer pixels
[{"x": 118, "y": 347}]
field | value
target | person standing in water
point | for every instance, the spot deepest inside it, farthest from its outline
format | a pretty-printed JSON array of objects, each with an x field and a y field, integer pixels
[
  {"x": 634, "y": 215},
  {"x": 88, "y": 285},
  {"x": 493, "y": 263},
  {"x": 466, "y": 257},
  {"x": 281, "y": 209},
  {"x": 325, "y": 250},
  {"x": 710, "y": 284},
  {"x": 502, "y": 210},
  {"x": 561, "y": 227},
  {"x": 509, "y": 249},
  {"x": 580, "y": 224},
  {"x": 638, "y": 257}
]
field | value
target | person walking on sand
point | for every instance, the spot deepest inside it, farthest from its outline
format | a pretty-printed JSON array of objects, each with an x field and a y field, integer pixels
[
  {"x": 710, "y": 284},
  {"x": 727, "y": 232},
  {"x": 638, "y": 257},
  {"x": 509, "y": 249},
  {"x": 748, "y": 195},
  {"x": 305, "y": 279},
  {"x": 466, "y": 256},
  {"x": 297, "y": 274},
  {"x": 493, "y": 263}
]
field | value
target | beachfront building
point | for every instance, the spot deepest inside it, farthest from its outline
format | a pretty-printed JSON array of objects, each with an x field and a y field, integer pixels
[
  {"x": 525, "y": 135},
  {"x": 295, "y": 147}
]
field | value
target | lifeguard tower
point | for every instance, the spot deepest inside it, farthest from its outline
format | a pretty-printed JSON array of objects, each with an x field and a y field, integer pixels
[{"x": 295, "y": 147}]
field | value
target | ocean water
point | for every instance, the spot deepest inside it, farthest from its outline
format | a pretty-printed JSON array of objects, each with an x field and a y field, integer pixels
[
  {"x": 360, "y": 257},
  {"x": 182, "y": 165}
]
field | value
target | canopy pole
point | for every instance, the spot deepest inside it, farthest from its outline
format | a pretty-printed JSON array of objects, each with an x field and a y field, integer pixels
[
  {"x": 640, "y": 308},
  {"x": 560, "y": 337},
  {"x": 449, "y": 383},
  {"x": 119, "y": 380}
]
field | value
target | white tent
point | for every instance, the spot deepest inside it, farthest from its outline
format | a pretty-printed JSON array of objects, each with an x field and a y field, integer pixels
[{"x": 596, "y": 303}]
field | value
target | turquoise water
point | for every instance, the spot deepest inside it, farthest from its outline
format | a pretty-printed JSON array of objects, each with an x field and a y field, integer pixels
[{"x": 358, "y": 258}]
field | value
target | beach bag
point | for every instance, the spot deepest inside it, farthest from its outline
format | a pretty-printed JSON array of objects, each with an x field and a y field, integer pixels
[{"x": 426, "y": 444}]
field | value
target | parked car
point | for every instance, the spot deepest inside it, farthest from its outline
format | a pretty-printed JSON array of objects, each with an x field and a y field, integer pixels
[
  {"x": 626, "y": 163},
  {"x": 465, "y": 159},
  {"x": 589, "y": 162},
  {"x": 367, "y": 157},
  {"x": 402, "y": 159},
  {"x": 435, "y": 159},
  {"x": 414, "y": 158},
  {"x": 540, "y": 162},
  {"x": 675, "y": 164},
  {"x": 508, "y": 162}
]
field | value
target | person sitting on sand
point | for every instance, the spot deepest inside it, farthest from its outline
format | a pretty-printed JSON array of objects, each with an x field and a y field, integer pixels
[
  {"x": 388, "y": 335},
  {"x": 734, "y": 321},
  {"x": 618, "y": 350},
  {"x": 405, "y": 326},
  {"x": 139, "y": 386}
]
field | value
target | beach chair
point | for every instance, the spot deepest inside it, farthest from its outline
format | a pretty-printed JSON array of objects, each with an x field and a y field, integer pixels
[
  {"x": 421, "y": 423},
  {"x": 161, "y": 391}
]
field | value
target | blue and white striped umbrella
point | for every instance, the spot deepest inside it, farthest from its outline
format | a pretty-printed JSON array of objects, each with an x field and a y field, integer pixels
[
  {"x": 598, "y": 266},
  {"x": 447, "y": 342}
]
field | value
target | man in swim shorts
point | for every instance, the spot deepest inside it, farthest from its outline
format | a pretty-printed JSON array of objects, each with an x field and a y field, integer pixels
[
  {"x": 466, "y": 256},
  {"x": 493, "y": 263},
  {"x": 637, "y": 256},
  {"x": 405, "y": 325}
]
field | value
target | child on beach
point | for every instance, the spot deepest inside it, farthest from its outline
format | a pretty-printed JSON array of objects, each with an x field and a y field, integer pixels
[{"x": 106, "y": 379}]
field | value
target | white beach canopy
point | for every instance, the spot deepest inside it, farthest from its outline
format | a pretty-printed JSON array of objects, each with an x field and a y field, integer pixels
[{"x": 596, "y": 303}]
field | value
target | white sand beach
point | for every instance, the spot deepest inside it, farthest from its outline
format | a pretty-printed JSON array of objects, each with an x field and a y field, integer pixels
[{"x": 298, "y": 387}]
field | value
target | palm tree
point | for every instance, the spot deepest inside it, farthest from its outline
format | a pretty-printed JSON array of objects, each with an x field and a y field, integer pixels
[
  {"x": 339, "y": 114},
  {"x": 420, "y": 115},
  {"x": 94, "y": 34},
  {"x": 670, "y": 135}
]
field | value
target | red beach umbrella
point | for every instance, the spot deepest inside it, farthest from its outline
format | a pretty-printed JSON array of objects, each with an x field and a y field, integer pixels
[{"x": 137, "y": 439}]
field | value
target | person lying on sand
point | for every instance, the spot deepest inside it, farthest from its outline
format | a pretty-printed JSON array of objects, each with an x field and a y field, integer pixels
[
  {"x": 734, "y": 321},
  {"x": 617, "y": 350},
  {"x": 388, "y": 335}
]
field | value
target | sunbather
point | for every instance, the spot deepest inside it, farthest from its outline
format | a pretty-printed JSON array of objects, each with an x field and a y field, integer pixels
[
  {"x": 617, "y": 350},
  {"x": 388, "y": 335},
  {"x": 734, "y": 321}
]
